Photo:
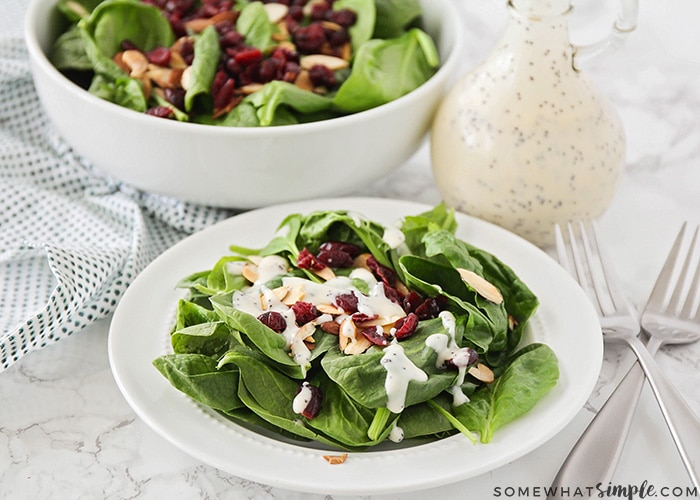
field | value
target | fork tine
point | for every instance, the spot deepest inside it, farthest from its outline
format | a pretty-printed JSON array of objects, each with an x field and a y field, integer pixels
[
  {"x": 562, "y": 254},
  {"x": 599, "y": 288},
  {"x": 689, "y": 308},
  {"x": 581, "y": 263},
  {"x": 663, "y": 282},
  {"x": 610, "y": 280}
]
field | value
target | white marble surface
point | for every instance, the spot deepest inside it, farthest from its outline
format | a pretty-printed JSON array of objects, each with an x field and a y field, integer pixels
[{"x": 67, "y": 432}]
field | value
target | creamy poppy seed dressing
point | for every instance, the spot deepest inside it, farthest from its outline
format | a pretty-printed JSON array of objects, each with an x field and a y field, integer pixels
[
  {"x": 524, "y": 140},
  {"x": 446, "y": 348},
  {"x": 258, "y": 298},
  {"x": 400, "y": 370}
]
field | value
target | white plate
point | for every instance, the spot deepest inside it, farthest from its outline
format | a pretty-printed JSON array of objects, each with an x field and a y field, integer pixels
[{"x": 565, "y": 321}]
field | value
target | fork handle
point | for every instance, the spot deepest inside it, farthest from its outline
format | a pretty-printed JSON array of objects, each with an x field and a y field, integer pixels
[
  {"x": 683, "y": 423},
  {"x": 595, "y": 455}
]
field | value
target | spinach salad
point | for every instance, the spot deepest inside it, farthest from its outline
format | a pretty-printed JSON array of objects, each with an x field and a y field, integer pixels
[
  {"x": 345, "y": 332},
  {"x": 245, "y": 63}
]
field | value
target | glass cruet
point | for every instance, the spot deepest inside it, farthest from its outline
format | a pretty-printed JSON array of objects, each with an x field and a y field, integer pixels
[{"x": 525, "y": 140}]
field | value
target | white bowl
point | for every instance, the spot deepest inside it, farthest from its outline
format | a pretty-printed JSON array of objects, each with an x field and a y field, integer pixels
[{"x": 240, "y": 167}]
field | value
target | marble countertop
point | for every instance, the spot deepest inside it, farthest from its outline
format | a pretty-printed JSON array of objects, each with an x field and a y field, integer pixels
[{"x": 67, "y": 432}]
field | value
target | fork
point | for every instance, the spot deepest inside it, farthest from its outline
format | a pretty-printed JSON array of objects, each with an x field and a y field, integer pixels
[{"x": 593, "y": 459}]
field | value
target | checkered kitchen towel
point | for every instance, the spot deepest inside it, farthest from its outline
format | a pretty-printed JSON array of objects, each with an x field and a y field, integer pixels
[{"x": 71, "y": 240}]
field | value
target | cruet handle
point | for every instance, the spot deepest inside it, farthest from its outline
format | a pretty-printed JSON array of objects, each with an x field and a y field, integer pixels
[{"x": 625, "y": 24}]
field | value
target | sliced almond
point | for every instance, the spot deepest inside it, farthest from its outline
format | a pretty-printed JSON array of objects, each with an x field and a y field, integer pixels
[
  {"x": 136, "y": 62},
  {"x": 303, "y": 81},
  {"x": 346, "y": 51},
  {"x": 286, "y": 44},
  {"x": 347, "y": 333},
  {"x": 276, "y": 11},
  {"x": 118, "y": 59},
  {"x": 250, "y": 272},
  {"x": 358, "y": 346},
  {"x": 186, "y": 78},
  {"x": 482, "y": 287},
  {"x": 512, "y": 323},
  {"x": 198, "y": 25},
  {"x": 328, "y": 309},
  {"x": 296, "y": 293},
  {"x": 336, "y": 459},
  {"x": 331, "y": 62},
  {"x": 306, "y": 331},
  {"x": 166, "y": 78},
  {"x": 282, "y": 33},
  {"x": 360, "y": 261},
  {"x": 326, "y": 273},
  {"x": 331, "y": 25},
  {"x": 280, "y": 292},
  {"x": 481, "y": 372},
  {"x": 176, "y": 60},
  {"x": 251, "y": 88}
]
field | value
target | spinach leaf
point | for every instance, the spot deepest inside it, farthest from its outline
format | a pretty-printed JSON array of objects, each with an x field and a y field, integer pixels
[
  {"x": 212, "y": 339},
  {"x": 68, "y": 51},
  {"x": 123, "y": 91},
  {"x": 255, "y": 26},
  {"x": 197, "y": 376},
  {"x": 362, "y": 376},
  {"x": 384, "y": 70},
  {"x": 342, "y": 419},
  {"x": 272, "y": 344},
  {"x": 395, "y": 16},
  {"x": 366, "y": 12},
  {"x": 270, "y": 395},
  {"x": 531, "y": 374},
  {"x": 277, "y": 97},
  {"x": 318, "y": 227},
  {"x": 74, "y": 10},
  {"x": 114, "y": 21},
  {"x": 206, "y": 58}
]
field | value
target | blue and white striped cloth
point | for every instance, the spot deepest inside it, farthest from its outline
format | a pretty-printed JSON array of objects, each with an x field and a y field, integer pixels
[{"x": 71, "y": 240}]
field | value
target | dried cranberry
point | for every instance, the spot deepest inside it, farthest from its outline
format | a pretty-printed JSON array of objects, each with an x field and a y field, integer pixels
[
  {"x": 322, "y": 76},
  {"x": 307, "y": 260},
  {"x": 224, "y": 95},
  {"x": 319, "y": 10},
  {"x": 273, "y": 320},
  {"x": 393, "y": 294},
  {"x": 310, "y": 39},
  {"x": 128, "y": 45},
  {"x": 335, "y": 258},
  {"x": 358, "y": 317},
  {"x": 305, "y": 312},
  {"x": 375, "y": 335},
  {"x": 160, "y": 112},
  {"x": 231, "y": 39},
  {"x": 347, "y": 302},
  {"x": 412, "y": 301},
  {"x": 349, "y": 248},
  {"x": 406, "y": 326},
  {"x": 248, "y": 56},
  {"x": 336, "y": 38},
  {"x": 462, "y": 358},
  {"x": 430, "y": 308},
  {"x": 313, "y": 404},
  {"x": 159, "y": 56},
  {"x": 388, "y": 276},
  {"x": 176, "y": 97},
  {"x": 343, "y": 17}
]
